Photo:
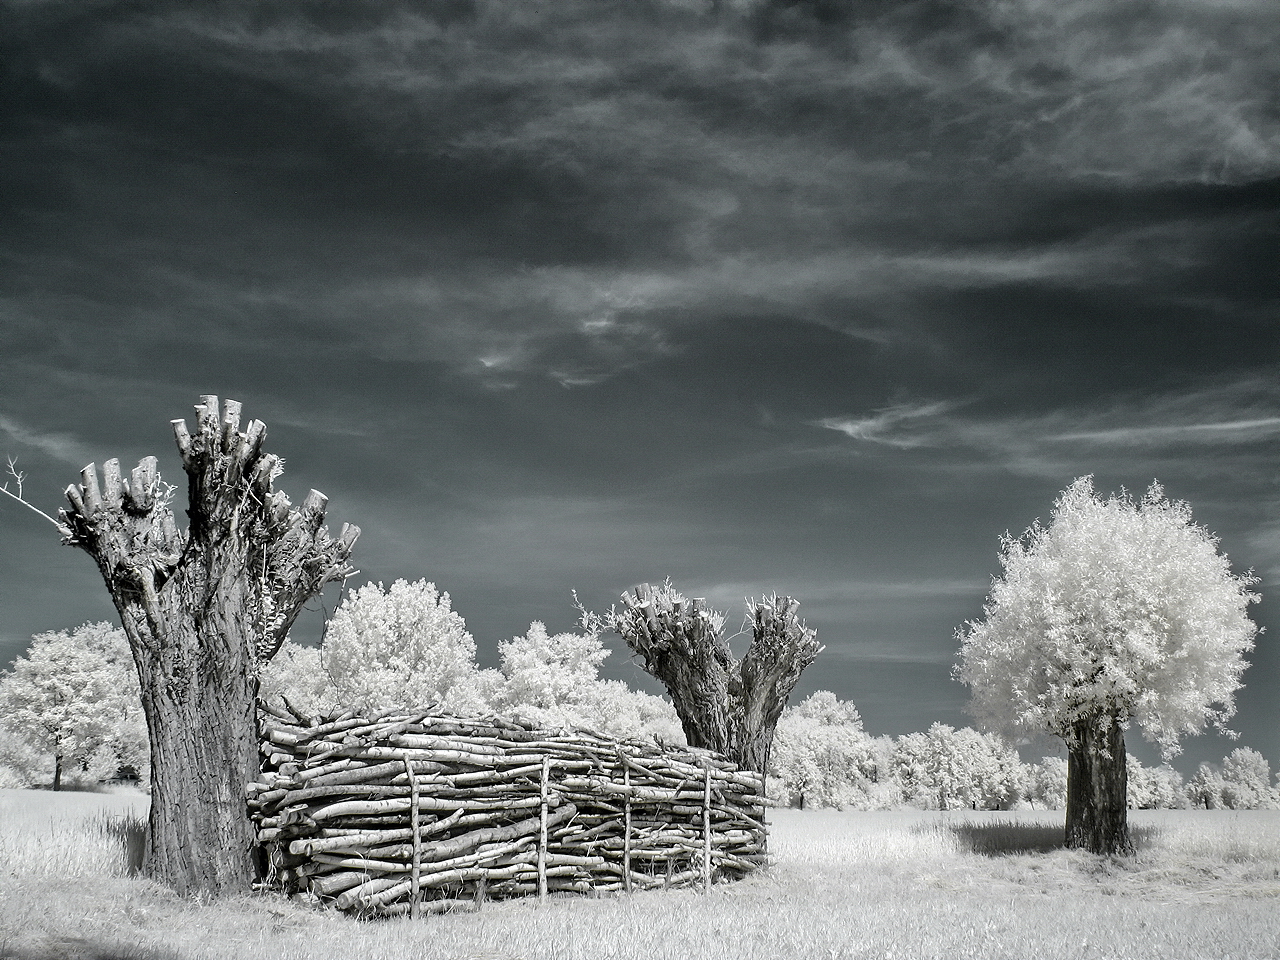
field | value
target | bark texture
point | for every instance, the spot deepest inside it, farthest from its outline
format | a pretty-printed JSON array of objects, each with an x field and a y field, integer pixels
[
  {"x": 1097, "y": 786},
  {"x": 724, "y": 704},
  {"x": 204, "y": 608}
]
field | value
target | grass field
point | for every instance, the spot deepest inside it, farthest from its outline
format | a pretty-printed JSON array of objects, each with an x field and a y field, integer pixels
[{"x": 844, "y": 885}]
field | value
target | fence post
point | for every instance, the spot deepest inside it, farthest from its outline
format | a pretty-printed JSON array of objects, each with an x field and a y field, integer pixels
[
  {"x": 415, "y": 877},
  {"x": 706, "y": 828},
  {"x": 626, "y": 829},
  {"x": 542, "y": 830}
]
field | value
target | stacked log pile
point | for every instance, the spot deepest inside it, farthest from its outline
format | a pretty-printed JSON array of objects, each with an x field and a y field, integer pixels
[{"x": 421, "y": 813}]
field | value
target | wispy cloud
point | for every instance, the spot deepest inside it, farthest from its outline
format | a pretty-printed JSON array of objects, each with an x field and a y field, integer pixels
[
  {"x": 1227, "y": 416},
  {"x": 1265, "y": 542},
  {"x": 1232, "y": 431},
  {"x": 895, "y": 426},
  {"x": 60, "y": 446}
]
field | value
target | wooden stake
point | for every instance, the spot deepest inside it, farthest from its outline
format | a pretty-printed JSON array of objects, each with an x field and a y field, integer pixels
[
  {"x": 542, "y": 830},
  {"x": 626, "y": 831},
  {"x": 415, "y": 879},
  {"x": 706, "y": 830}
]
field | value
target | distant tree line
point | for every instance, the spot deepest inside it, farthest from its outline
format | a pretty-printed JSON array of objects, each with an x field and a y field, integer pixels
[
  {"x": 822, "y": 757},
  {"x": 71, "y": 715}
]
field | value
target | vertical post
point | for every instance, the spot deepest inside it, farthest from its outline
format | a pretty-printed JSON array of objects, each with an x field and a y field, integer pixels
[
  {"x": 542, "y": 830},
  {"x": 763, "y": 816},
  {"x": 415, "y": 877},
  {"x": 706, "y": 829},
  {"x": 626, "y": 829}
]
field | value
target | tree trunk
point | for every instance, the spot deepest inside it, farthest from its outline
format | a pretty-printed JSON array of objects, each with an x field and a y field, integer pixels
[
  {"x": 1097, "y": 787},
  {"x": 57, "y": 771},
  {"x": 199, "y": 839},
  {"x": 781, "y": 648},
  {"x": 204, "y": 609}
]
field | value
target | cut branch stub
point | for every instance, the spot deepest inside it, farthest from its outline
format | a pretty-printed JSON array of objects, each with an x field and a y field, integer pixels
[{"x": 111, "y": 484}]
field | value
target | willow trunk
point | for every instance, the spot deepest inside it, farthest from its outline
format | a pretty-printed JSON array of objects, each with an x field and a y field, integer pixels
[{"x": 1097, "y": 787}]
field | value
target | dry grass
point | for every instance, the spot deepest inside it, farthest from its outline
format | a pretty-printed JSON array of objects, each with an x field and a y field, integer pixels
[
  {"x": 68, "y": 835},
  {"x": 844, "y": 885}
]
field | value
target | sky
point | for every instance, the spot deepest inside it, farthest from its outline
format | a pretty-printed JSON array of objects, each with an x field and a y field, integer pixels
[{"x": 818, "y": 297}]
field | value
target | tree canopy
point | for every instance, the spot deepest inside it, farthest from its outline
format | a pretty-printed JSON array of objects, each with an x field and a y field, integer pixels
[
  {"x": 403, "y": 646},
  {"x": 1116, "y": 605},
  {"x": 75, "y": 696}
]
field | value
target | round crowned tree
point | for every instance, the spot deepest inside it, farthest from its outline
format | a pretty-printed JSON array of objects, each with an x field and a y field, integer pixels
[{"x": 1115, "y": 612}]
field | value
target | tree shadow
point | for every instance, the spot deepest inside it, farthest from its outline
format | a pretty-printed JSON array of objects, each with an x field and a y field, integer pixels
[
  {"x": 132, "y": 834},
  {"x": 82, "y": 948},
  {"x": 1008, "y": 837}
]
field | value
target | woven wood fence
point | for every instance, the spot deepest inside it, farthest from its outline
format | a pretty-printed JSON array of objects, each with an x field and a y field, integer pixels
[{"x": 412, "y": 814}]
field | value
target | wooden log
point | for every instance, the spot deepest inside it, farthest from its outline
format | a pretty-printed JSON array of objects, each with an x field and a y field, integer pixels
[
  {"x": 470, "y": 840},
  {"x": 450, "y": 905},
  {"x": 353, "y": 896},
  {"x": 337, "y": 882},
  {"x": 358, "y": 840},
  {"x": 401, "y": 805},
  {"x": 344, "y": 721},
  {"x": 620, "y": 812}
]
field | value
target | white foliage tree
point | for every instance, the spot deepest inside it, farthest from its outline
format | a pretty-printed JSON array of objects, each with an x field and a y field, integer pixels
[
  {"x": 1242, "y": 782},
  {"x": 21, "y": 764},
  {"x": 554, "y": 680},
  {"x": 1154, "y": 788},
  {"x": 618, "y": 711},
  {"x": 948, "y": 769},
  {"x": 75, "y": 696},
  {"x": 405, "y": 648},
  {"x": 549, "y": 673},
  {"x": 1247, "y": 775},
  {"x": 822, "y": 757},
  {"x": 1046, "y": 783},
  {"x": 1116, "y": 612}
]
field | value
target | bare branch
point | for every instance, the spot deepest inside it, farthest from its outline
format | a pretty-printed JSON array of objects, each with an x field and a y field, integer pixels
[{"x": 19, "y": 477}]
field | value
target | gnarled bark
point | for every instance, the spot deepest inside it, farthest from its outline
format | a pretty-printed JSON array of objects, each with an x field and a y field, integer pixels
[
  {"x": 1097, "y": 786},
  {"x": 724, "y": 704},
  {"x": 204, "y": 609}
]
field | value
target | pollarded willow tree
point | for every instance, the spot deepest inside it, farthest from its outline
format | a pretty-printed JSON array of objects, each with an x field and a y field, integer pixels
[
  {"x": 204, "y": 608},
  {"x": 725, "y": 704},
  {"x": 1116, "y": 612}
]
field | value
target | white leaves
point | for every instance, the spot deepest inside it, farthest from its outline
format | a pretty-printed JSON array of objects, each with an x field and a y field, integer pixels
[
  {"x": 406, "y": 648},
  {"x": 1112, "y": 604},
  {"x": 945, "y": 769},
  {"x": 555, "y": 681},
  {"x": 401, "y": 648},
  {"x": 75, "y": 695}
]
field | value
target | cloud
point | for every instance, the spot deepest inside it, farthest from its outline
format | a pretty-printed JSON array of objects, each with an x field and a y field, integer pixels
[
  {"x": 892, "y": 426},
  {"x": 1265, "y": 542},
  {"x": 840, "y": 598},
  {"x": 1234, "y": 417},
  {"x": 1236, "y": 431},
  {"x": 887, "y": 651},
  {"x": 60, "y": 446}
]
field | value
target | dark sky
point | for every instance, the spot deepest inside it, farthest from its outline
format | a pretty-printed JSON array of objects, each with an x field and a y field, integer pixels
[{"x": 818, "y": 296}]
